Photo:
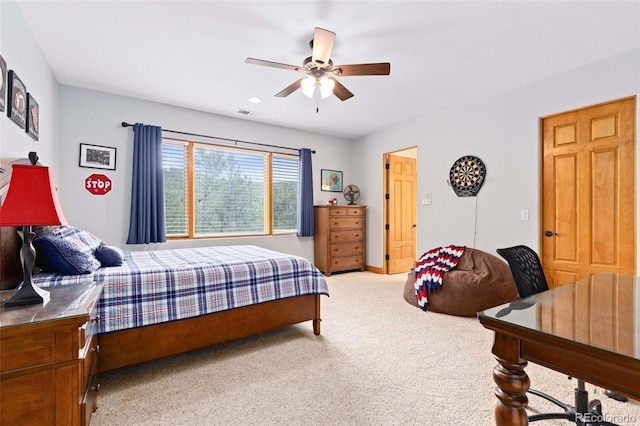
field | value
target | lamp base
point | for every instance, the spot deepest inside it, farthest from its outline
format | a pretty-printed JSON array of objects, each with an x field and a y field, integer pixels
[{"x": 28, "y": 295}]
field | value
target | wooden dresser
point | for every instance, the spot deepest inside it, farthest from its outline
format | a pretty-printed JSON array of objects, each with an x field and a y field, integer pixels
[
  {"x": 339, "y": 238},
  {"x": 49, "y": 358}
]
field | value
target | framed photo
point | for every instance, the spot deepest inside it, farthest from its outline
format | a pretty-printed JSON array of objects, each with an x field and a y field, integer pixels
[
  {"x": 17, "y": 100},
  {"x": 3, "y": 83},
  {"x": 97, "y": 157},
  {"x": 331, "y": 180},
  {"x": 33, "y": 117}
]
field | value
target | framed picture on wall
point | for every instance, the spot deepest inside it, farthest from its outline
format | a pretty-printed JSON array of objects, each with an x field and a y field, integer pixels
[
  {"x": 3, "y": 83},
  {"x": 33, "y": 117},
  {"x": 97, "y": 157},
  {"x": 331, "y": 180},
  {"x": 17, "y": 100}
]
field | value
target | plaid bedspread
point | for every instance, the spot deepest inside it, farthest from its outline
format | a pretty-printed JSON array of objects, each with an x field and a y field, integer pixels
[{"x": 165, "y": 285}]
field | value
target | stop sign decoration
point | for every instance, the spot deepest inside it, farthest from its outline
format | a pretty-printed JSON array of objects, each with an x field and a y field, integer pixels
[{"x": 97, "y": 184}]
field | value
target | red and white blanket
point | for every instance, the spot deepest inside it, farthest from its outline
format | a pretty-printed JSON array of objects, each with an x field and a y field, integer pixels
[{"x": 430, "y": 269}]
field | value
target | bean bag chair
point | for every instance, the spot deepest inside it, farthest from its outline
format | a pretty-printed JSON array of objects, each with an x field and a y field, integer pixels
[{"x": 479, "y": 281}]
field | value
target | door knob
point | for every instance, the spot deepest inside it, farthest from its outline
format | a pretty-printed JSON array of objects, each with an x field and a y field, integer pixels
[
  {"x": 549, "y": 233},
  {"x": 414, "y": 225}
]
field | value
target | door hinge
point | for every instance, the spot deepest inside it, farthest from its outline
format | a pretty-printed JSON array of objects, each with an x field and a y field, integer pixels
[
  {"x": 386, "y": 227},
  {"x": 386, "y": 196},
  {"x": 386, "y": 166},
  {"x": 386, "y": 257}
]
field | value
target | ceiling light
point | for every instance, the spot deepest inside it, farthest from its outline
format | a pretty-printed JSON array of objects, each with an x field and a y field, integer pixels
[
  {"x": 255, "y": 100},
  {"x": 311, "y": 84},
  {"x": 326, "y": 87},
  {"x": 308, "y": 86}
]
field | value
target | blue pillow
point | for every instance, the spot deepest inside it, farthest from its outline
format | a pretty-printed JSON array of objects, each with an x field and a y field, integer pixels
[
  {"x": 109, "y": 255},
  {"x": 55, "y": 254},
  {"x": 83, "y": 240}
]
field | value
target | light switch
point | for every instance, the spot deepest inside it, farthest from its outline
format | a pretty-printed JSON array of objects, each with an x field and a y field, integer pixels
[
  {"x": 426, "y": 197},
  {"x": 524, "y": 214}
]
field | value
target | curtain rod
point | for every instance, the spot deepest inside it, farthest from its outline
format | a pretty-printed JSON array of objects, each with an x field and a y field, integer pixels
[{"x": 125, "y": 124}]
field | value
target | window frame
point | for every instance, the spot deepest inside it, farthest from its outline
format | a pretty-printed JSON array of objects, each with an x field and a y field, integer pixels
[{"x": 190, "y": 201}]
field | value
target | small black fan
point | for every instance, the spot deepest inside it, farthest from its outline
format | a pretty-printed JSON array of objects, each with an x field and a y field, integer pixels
[{"x": 351, "y": 194}]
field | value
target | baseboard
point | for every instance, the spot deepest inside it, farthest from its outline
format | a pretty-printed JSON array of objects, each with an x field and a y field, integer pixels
[{"x": 374, "y": 269}]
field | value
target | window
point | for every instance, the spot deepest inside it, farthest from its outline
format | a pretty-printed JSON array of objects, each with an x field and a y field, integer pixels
[{"x": 213, "y": 191}]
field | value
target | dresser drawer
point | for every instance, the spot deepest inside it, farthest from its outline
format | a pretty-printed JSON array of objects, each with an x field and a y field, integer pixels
[
  {"x": 344, "y": 236},
  {"x": 89, "y": 402},
  {"x": 346, "y": 211},
  {"x": 90, "y": 357},
  {"x": 37, "y": 348},
  {"x": 346, "y": 249},
  {"x": 90, "y": 328},
  {"x": 345, "y": 222},
  {"x": 346, "y": 263}
]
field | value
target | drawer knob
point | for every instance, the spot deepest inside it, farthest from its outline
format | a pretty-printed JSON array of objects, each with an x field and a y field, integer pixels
[
  {"x": 96, "y": 318},
  {"x": 97, "y": 349}
]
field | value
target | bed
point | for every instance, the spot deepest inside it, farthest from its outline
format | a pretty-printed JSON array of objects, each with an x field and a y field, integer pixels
[{"x": 163, "y": 302}]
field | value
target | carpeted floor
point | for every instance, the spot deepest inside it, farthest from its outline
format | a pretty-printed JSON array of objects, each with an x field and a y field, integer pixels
[{"x": 378, "y": 361}]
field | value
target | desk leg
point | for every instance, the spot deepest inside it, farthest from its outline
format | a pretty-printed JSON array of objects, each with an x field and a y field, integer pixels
[{"x": 512, "y": 382}]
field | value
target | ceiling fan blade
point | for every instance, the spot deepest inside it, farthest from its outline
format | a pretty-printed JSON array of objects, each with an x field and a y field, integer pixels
[
  {"x": 381, "y": 68},
  {"x": 290, "y": 89},
  {"x": 322, "y": 45},
  {"x": 271, "y": 64},
  {"x": 340, "y": 91}
]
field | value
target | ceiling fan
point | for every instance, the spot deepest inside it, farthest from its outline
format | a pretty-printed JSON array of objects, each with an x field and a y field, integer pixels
[{"x": 320, "y": 70}]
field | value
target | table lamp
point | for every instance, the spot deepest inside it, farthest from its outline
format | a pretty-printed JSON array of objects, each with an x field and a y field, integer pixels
[{"x": 30, "y": 201}]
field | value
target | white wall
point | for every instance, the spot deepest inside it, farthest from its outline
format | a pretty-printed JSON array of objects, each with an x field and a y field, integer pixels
[
  {"x": 92, "y": 117},
  {"x": 504, "y": 132},
  {"x": 22, "y": 54},
  {"x": 70, "y": 116}
]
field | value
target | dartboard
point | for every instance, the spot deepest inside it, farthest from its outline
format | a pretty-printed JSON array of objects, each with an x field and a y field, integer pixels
[{"x": 467, "y": 176}]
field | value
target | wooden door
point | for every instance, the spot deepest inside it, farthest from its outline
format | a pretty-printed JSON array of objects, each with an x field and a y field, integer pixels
[
  {"x": 588, "y": 192},
  {"x": 401, "y": 213}
]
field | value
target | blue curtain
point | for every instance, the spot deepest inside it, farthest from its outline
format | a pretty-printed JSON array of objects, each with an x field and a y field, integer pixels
[
  {"x": 305, "y": 194},
  {"x": 147, "y": 222}
]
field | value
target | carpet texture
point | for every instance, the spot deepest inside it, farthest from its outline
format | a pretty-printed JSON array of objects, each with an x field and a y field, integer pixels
[{"x": 378, "y": 361}]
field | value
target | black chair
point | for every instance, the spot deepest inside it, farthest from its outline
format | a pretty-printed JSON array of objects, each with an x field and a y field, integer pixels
[{"x": 530, "y": 280}]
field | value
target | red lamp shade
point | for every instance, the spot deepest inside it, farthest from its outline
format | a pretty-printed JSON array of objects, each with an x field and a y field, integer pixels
[{"x": 31, "y": 199}]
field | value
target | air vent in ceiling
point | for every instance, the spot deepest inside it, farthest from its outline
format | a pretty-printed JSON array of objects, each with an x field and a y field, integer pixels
[{"x": 247, "y": 112}]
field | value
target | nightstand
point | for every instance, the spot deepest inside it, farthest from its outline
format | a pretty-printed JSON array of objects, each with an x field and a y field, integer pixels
[{"x": 49, "y": 358}]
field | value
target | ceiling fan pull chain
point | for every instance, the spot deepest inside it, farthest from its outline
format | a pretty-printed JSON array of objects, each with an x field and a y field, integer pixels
[{"x": 317, "y": 101}]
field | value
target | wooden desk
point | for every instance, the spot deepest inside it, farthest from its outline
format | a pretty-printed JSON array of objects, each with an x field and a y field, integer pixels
[{"x": 589, "y": 330}]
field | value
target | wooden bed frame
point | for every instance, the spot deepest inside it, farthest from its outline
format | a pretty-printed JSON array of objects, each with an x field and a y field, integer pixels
[
  {"x": 132, "y": 346},
  {"x": 135, "y": 345},
  {"x": 121, "y": 348}
]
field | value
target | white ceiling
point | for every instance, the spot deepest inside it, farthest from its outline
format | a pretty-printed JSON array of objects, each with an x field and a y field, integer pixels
[{"x": 192, "y": 53}]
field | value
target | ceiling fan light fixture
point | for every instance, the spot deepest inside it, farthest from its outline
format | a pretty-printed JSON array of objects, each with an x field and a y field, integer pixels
[
  {"x": 308, "y": 86},
  {"x": 326, "y": 87}
]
